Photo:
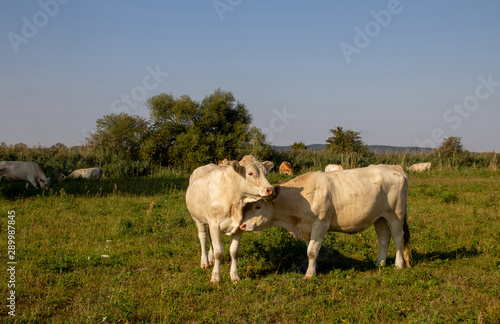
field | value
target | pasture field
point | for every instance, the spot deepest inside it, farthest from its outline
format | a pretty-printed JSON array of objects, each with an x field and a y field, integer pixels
[{"x": 127, "y": 251}]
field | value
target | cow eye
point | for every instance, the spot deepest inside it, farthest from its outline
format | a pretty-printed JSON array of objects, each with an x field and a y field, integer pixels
[
  {"x": 258, "y": 207},
  {"x": 250, "y": 174}
]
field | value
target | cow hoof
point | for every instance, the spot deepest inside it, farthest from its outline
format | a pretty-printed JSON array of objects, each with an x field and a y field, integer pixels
[
  {"x": 210, "y": 263},
  {"x": 235, "y": 279},
  {"x": 308, "y": 276},
  {"x": 382, "y": 263}
]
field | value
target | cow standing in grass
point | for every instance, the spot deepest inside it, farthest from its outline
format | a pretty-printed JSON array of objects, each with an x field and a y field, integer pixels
[
  {"x": 420, "y": 167},
  {"x": 29, "y": 172},
  {"x": 90, "y": 173},
  {"x": 349, "y": 201},
  {"x": 216, "y": 196}
]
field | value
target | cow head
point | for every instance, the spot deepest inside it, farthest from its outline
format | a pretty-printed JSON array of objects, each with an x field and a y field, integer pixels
[
  {"x": 259, "y": 215},
  {"x": 44, "y": 182},
  {"x": 255, "y": 184}
]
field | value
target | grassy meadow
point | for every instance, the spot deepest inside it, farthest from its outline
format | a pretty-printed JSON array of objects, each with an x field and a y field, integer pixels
[{"x": 127, "y": 251}]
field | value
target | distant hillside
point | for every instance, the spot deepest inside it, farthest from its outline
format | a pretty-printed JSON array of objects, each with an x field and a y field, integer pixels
[
  {"x": 371, "y": 148},
  {"x": 398, "y": 149}
]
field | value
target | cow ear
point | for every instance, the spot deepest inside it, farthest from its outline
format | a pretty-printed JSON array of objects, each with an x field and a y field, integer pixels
[
  {"x": 268, "y": 165},
  {"x": 236, "y": 166},
  {"x": 276, "y": 191}
]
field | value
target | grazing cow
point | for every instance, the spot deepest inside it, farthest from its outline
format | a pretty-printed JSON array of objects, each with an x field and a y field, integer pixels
[
  {"x": 333, "y": 167},
  {"x": 286, "y": 168},
  {"x": 348, "y": 202},
  {"x": 89, "y": 173},
  {"x": 29, "y": 172},
  {"x": 420, "y": 167},
  {"x": 224, "y": 162},
  {"x": 216, "y": 196}
]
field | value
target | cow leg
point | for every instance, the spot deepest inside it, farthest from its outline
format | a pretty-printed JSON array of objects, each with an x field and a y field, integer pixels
[
  {"x": 202, "y": 235},
  {"x": 397, "y": 236},
  {"x": 32, "y": 181},
  {"x": 218, "y": 250},
  {"x": 210, "y": 253},
  {"x": 384, "y": 236},
  {"x": 319, "y": 230},
  {"x": 233, "y": 250}
]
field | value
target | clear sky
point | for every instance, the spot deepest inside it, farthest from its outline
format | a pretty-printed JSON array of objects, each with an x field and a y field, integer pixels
[{"x": 403, "y": 73}]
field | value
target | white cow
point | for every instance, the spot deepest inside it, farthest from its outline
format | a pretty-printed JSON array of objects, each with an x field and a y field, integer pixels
[
  {"x": 333, "y": 167},
  {"x": 86, "y": 173},
  {"x": 420, "y": 167},
  {"x": 29, "y": 172},
  {"x": 349, "y": 202},
  {"x": 216, "y": 196}
]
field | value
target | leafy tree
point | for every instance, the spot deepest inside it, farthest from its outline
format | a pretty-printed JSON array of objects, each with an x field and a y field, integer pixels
[
  {"x": 256, "y": 145},
  {"x": 224, "y": 124},
  {"x": 120, "y": 135},
  {"x": 345, "y": 141},
  {"x": 190, "y": 150},
  {"x": 451, "y": 146},
  {"x": 299, "y": 146},
  {"x": 169, "y": 117},
  {"x": 186, "y": 133}
]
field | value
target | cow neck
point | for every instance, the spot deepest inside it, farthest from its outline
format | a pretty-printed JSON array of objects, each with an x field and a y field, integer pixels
[
  {"x": 283, "y": 213},
  {"x": 236, "y": 201}
]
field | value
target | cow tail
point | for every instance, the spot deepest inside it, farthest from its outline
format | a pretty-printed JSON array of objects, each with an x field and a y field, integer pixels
[
  {"x": 406, "y": 228},
  {"x": 406, "y": 240}
]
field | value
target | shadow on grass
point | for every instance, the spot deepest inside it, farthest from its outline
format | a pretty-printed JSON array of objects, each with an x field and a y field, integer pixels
[
  {"x": 82, "y": 187},
  {"x": 276, "y": 251},
  {"x": 457, "y": 254},
  {"x": 293, "y": 258},
  {"x": 330, "y": 259}
]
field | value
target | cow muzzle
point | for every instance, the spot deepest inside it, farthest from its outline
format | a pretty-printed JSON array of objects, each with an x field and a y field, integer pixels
[{"x": 267, "y": 192}]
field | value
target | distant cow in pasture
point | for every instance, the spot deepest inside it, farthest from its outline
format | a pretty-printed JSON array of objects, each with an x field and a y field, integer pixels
[
  {"x": 90, "y": 173},
  {"x": 333, "y": 167},
  {"x": 420, "y": 167},
  {"x": 215, "y": 197},
  {"x": 29, "y": 172},
  {"x": 349, "y": 202},
  {"x": 224, "y": 162},
  {"x": 286, "y": 168}
]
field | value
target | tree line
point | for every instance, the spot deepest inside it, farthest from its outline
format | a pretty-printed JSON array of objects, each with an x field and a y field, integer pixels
[{"x": 183, "y": 134}]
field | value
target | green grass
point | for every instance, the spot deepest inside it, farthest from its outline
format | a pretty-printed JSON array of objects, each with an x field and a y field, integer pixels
[{"x": 152, "y": 274}]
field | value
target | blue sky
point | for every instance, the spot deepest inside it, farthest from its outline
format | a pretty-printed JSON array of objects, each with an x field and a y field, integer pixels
[{"x": 403, "y": 73}]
